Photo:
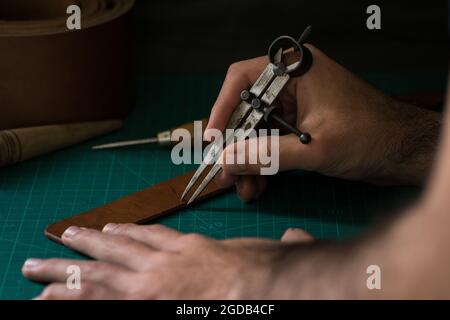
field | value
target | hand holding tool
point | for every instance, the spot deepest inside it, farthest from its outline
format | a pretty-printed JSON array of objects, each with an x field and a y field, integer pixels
[{"x": 257, "y": 104}]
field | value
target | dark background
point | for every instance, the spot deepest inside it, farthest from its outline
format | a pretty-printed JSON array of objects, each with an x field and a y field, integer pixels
[{"x": 205, "y": 36}]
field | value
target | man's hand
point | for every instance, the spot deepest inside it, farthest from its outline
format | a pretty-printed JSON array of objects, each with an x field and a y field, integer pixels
[
  {"x": 155, "y": 262},
  {"x": 358, "y": 132}
]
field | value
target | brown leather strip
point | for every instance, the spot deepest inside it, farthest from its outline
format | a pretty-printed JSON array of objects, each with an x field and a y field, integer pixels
[
  {"x": 52, "y": 75},
  {"x": 139, "y": 207}
]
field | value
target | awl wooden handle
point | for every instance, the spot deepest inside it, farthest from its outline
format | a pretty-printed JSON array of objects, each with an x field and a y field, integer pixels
[
  {"x": 164, "y": 137},
  {"x": 25, "y": 143}
]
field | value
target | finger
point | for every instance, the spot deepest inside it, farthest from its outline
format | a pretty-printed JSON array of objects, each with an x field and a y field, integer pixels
[
  {"x": 120, "y": 250},
  {"x": 87, "y": 291},
  {"x": 59, "y": 270},
  {"x": 265, "y": 156},
  {"x": 296, "y": 235},
  {"x": 246, "y": 188},
  {"x": 226, "y": 180},
  {"x": 239, "y": 77},
  {"x": 156, "y": 235}
]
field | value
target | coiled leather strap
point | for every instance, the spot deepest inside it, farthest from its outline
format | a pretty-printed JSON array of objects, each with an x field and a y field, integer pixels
[{"x": 51, "y": 75}]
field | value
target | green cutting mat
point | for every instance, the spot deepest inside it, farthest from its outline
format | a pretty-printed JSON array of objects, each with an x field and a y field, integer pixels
[{"x": 52, "y": 187}]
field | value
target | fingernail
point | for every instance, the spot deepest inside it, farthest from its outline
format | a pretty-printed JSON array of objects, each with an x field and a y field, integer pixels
[
  {"x": 70, "y": 232},
  {"x": 206, "y": 137},
  {"x": 31, "y": 263},
  {"x": 109, "y": 227}
]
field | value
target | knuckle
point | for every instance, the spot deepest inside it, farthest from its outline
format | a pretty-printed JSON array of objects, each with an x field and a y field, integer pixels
[
  {"x": 119, "y": 240},
  {"x": 125, "y": 241},
  {"x": 235, "y": 68},
  {"x": 122, "y": 228},
  {"x": 94, "y": 266}
]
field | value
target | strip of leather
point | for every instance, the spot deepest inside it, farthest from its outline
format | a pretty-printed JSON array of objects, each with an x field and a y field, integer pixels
[
  {"x": 139, "y": 207},
  {"x": 52, "y": 75}
]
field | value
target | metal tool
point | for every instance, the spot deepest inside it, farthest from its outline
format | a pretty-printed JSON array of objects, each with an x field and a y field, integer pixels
[
  {"x": 257, "y": 105},
  {"x": 163, "y": 138}
]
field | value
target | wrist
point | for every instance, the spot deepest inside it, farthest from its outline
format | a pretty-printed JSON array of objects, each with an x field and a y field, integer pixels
[
  {"x": 317, "y": 271},
  {"x": 409, "y": 144}
]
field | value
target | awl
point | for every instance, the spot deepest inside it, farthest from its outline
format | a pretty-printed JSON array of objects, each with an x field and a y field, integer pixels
[{"x": 162, "y": 138}]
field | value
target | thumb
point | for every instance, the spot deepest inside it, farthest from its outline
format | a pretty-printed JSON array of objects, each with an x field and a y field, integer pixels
[
  {"x": 265, "y": 155},
  {"x": 296, "y": 235}
]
